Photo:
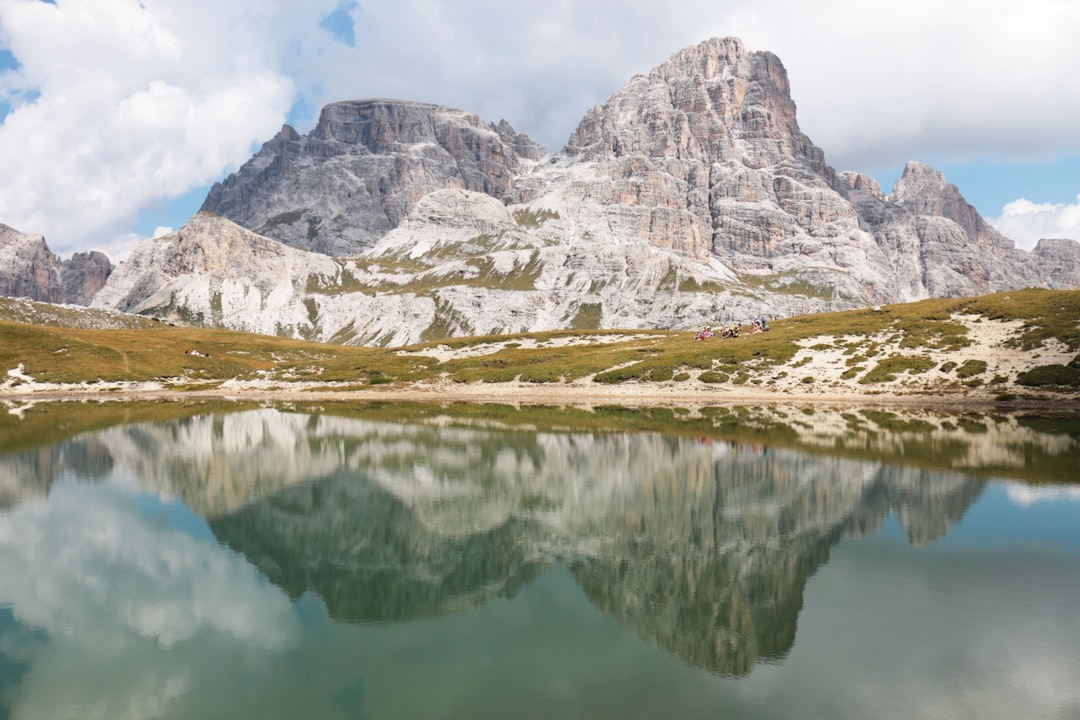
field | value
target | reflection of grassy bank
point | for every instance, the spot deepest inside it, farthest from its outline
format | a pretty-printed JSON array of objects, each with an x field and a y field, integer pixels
[
  {"x": 1032, "y": 448},
  {"x": 1028, "y": 447},
  {"x": 44, "y": 424}
]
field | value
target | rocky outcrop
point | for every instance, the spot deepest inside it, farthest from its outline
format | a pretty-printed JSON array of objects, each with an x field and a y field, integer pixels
[
  {"x": 703, "y": 156},
  {"x": 215, "y": 273},
  {"x": 1057, "y": 262},
  {"x": 460, "y": 264},
  {"x": 366, "y": 163},
  {"x": 937, "y": 245},
  {"x": 83, "y": 276},
  {"x": 29, "y": 269}
]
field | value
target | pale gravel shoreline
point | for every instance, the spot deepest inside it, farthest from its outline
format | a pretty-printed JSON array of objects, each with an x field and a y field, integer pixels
[{"x": 687, "y": 394}]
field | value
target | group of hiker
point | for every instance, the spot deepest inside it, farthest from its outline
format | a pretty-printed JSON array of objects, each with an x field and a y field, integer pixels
[{"x": 733, "y": 330}]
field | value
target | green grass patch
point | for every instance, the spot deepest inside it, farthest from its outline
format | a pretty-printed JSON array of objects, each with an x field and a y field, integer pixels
[
  {"x": 1050, "y": 375},
  {"x": 529, "y": 218},
  {"x": 588, "y": 316},
  {"x": 971, "y": 368},
  {"x": 887, "y": 369}
]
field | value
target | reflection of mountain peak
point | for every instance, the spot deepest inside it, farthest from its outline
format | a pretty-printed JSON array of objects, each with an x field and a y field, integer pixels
[
  {"x": 367, "y": 556},
  {"x": 704, "y": 550}
]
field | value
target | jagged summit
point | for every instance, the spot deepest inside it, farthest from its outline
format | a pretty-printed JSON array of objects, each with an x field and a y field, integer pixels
[
  {"x": 357, "y": 174},
  {"x": 715, "y": 100},
  {"x": 922, "y": 190}
]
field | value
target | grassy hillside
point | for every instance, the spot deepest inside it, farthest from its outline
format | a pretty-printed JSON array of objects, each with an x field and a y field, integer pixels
[{"x": 918, "y": 346}]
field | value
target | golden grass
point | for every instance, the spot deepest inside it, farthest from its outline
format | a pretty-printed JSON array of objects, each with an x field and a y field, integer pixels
[{"x": 69, "y": 355}]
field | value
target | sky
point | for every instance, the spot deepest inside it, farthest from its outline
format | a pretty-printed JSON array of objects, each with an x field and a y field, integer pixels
[{"x": 118, "y": 115}]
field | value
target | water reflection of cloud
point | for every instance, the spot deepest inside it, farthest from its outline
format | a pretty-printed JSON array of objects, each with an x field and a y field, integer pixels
[
  {"x": 110, "y": 585},
  {"x": 892, "y": 635},
  {"x": 1025, "y": 495}
]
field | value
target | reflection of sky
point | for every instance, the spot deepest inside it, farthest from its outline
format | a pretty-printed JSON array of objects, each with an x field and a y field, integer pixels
[
  {"x": 122, "y": 600},
  {"x": 996, "y": 519},
  {"x": 889, "y": 631},
  {"x": 1029, "y": 494}
]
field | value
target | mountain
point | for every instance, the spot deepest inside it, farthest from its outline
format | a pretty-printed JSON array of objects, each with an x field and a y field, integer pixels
[
  {"x": 29, "y": 269},
  {"x": 689, "y": 197},
  {"x": 356, "y": 175}
]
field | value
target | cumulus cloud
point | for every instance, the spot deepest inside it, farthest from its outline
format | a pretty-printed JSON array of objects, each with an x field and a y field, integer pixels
[
  {"x": 118, "y": 104},
  {"x": 1026, "y": 222},
  {"x": 132, "y": 103}
]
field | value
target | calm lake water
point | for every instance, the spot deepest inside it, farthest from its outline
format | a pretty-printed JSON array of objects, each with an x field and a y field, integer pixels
[{"x": 429, "y": 563}]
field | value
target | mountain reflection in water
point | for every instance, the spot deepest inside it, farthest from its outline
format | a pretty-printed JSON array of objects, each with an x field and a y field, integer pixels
[{"x": 701, "y": 546}]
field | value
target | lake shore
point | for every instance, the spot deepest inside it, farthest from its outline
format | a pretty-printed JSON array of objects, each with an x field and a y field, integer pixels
[{"x": 635, "y": 394}]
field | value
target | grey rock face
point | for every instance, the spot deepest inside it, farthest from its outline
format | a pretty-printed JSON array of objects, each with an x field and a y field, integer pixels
[
  {"x": 702, "y": 156},
  {"x": 83, "y": 276},
  {"x": 215, "y": 273},
  {"x": 27, "y": 266},
  {"x": 29, "y": 269},
  {"x": 938, "y": 245},
  {"x": 362, "y": 168},
  {"x": 1057, "y": 261}
]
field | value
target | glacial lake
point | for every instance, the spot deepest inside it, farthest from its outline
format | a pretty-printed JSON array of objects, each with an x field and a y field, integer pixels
[{"x": 376, "y": 561}]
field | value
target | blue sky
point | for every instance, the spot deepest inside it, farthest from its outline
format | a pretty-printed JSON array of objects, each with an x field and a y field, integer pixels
[{"x": 118, "y": 115}]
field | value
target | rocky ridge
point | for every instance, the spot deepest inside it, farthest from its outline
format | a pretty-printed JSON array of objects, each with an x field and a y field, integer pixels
[
  {"x": 689, "y": 197},
  {"x": 29, "y": 269}
]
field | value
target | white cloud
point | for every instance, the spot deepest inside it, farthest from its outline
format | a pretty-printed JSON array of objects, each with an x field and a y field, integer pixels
[
  {"x": 66, "y": 560},
  {"x": 137, "y": 103},
  {"x": 127, "y": 611},
  {"x": 874, "y": 86},
  {"x": 1026, "y": 222}
]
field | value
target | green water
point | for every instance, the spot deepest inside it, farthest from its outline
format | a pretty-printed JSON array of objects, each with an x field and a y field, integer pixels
[{"x": 275, "y": 563}]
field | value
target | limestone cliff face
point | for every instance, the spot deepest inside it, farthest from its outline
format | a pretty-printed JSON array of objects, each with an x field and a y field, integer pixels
[
  {"x": 689, "y": 197},
  {"x": 215, "y": 273},
  {"x": 1058, "y": 262},
  {"x": 83, "y": 276},
  {"x": 357, "y": 174},
  {"x": 29, "y": 269},
  {"x": 460, "y": 264},
  {"x": 703, "y": 156}
]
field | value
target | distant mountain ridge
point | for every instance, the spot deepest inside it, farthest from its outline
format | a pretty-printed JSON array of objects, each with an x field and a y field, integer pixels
[
  {"x": 29, "y": 269},
  {"x": 688, "y": 197}
]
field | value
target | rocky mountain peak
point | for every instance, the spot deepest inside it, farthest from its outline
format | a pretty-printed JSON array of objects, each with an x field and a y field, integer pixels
[
  {"x": 922, "y": 190},
  {"x": 690, "y": 196},
  {"x": 356, "y": 175},
  {"x": 715, "y": 100}
]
